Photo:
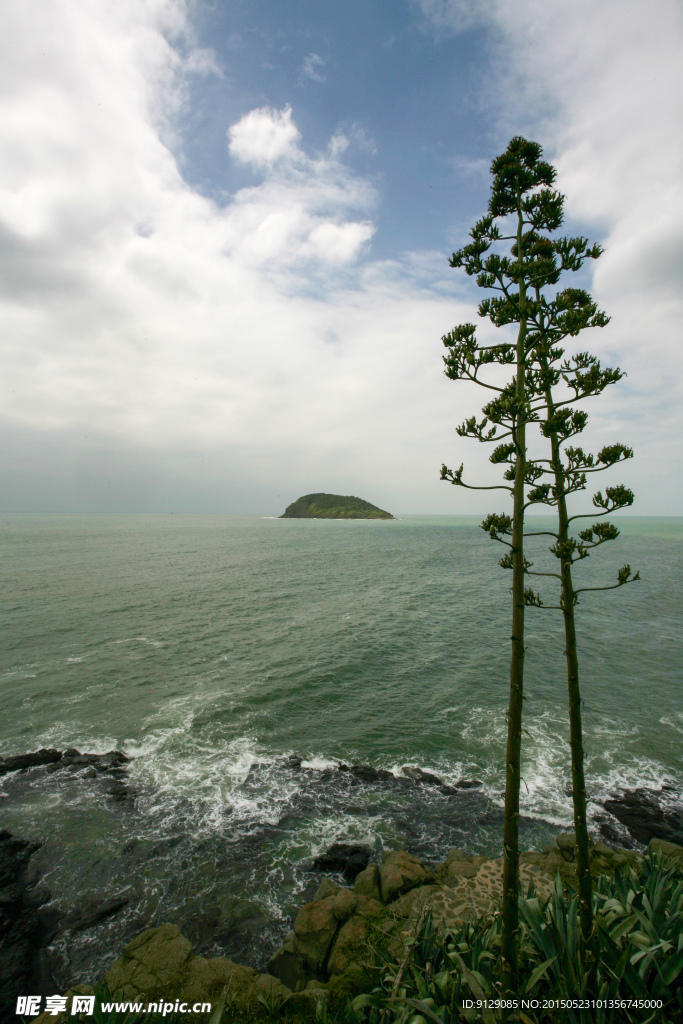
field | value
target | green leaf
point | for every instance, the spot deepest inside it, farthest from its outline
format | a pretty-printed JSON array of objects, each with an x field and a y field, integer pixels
[{"x": 538, "y": 973}]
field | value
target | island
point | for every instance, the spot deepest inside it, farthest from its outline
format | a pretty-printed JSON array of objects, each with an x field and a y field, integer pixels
[{"x": 333, "y": 506}]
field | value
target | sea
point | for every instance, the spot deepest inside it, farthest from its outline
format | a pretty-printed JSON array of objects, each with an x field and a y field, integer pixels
[{"x": 245, "y": 663}]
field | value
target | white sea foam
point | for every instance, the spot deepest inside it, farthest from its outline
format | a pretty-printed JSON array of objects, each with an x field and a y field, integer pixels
[
  {"x": 138, "y": 639},
  {"x": 320, "y": 763},
  {"x": 674, "y": 721}
]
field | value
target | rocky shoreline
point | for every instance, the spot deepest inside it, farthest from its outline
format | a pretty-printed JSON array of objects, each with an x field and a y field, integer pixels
[
  {"x": 359, "y": 896},
  {"x": 329, "y": 953}
]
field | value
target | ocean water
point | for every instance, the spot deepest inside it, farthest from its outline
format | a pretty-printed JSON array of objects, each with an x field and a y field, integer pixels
[{"x": 213, "y": 650}]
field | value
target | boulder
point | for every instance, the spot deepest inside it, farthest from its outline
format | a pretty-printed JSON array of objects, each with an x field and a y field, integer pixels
[
  {"x": 458, "y": 865},
  {"x": 61, "y": 1018},
  {"x": 672, "y": 852},
  {"x": 399, "y": 872},
  {"x": 206, "y": 980},
  {"x": 350, "y": 944},
  {"x": 287, "y": 966},
  {"x": 647, "y": 815},
  {"x": 368, "y": 883},
  {"x": 368, "y": 907},
  {"x": 326, "y": 888},
  {"x": 347, "y": 858},
  {"x": 26, "y": 926},
  {"x": 314, "y": 928},
  {"x": 366, "y": 773},
  {"x": 344, "y": 905},
  {"x": 152, "y": 963},
  {"x": 21, "y": 761},
  {"x": 566, "y": 844},
  {"x": 91, "y": 911},
  {"x": 159, "y": 965},
  {"x": 419, "y": 776},
  {"x": 601, "y": 859},
  {"x": 626, "y": 858}
]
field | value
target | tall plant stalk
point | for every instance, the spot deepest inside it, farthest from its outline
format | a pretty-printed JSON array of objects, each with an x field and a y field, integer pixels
[
  {"x": 571, "y": 311},
  {"x": 519, "y": 191},
  {"x": 513, "y": 756}
]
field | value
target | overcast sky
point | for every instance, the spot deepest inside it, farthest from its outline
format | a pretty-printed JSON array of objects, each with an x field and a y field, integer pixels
[{"x": 225, "y": 228}]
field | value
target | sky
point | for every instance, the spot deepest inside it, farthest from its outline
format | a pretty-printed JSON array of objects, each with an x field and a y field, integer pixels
[{"x": 225, "y": 228}]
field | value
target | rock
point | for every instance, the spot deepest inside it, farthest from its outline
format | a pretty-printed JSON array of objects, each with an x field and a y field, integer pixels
[
  {"x": 350, "y": 944},
  {"x": 552, "y": 861},
  {"x": 351, "y": 982},
  {"x": 112, "y": 760},
  {"x": 21, "y": 761},
  {"x": 110, "y": 766},
  {"x": 641, "y": 811},
  {"x": 61, "y": 1018},
  {"x": 26, "y": 926},
  {"x": 399, "y": 872},
  {"x": 348, "y": 858},
  {"x": 345, "y": 903},
  {"x": 368, "y": 883},
  {"x": 326, "y": 888},
  {"x": 672, "y": 852},
  {"x": 458, "y": 865},
  {"x": 91, "y": 911},
  {"x": 419, "y": 776},
  {"x": 159, "y": 964},
  {"x": 117, "y": 790},
  {"x": 288, "y": 967},
  {"x": 351, "y": 941},
  {"x": 356, "y": 863},
  {"x": 205, "y": 980},
  {"x": 368, "y": 907},
  {"x": 316, "y": 986},
  {"x": 314, "y": 928},
  {"x": 566, "y": 844},
  {"x": 469, "y": 784},
  {"x": 366, "y": 773},
  {"x": 152, "y": 963}
]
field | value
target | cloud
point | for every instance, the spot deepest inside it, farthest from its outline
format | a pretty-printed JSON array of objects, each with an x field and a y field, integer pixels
[
  {"x": 447, "y": 17},
  {"x": 202, "y": 61},
  {"x": 309, "y": 68},
  {"x": 156, "y": 344},
  {"x": 599, "y": 85},
  {"x": 300, "y": 211},
  {"x": 264, "y": 136},
  {"x": 161, "y": 349}
]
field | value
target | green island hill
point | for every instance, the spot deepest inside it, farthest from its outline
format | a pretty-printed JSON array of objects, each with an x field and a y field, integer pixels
[{"x": 333, "y": 506}]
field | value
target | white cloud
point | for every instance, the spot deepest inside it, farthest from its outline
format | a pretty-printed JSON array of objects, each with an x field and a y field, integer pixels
[
  {"x": 600, "y": 85},
  {"x": 301, "y": 209},
  {"x": 310, "y": 66},
  {"x": 448, "y": 16},
  {"x": 264, "y": 136},
  {"x": 202, "y": 61},
  {"x": 183, "y": 351}
]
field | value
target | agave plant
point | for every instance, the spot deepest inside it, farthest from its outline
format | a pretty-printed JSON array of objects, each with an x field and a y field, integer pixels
[{"x": 637, "y": 954}]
